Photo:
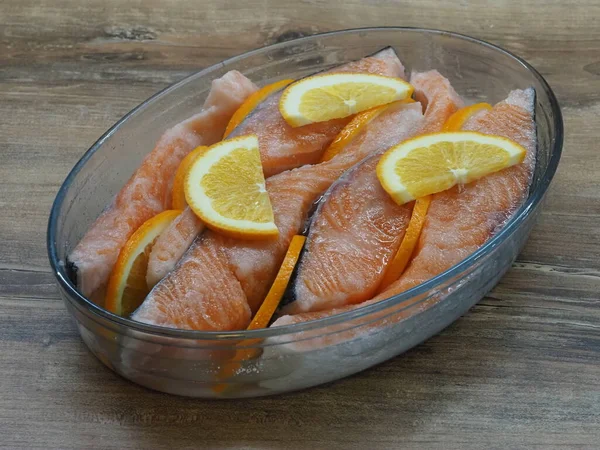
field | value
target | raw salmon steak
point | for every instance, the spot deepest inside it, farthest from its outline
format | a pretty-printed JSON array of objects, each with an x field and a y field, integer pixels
[
  {"x": 358, "y": 227},
  {"x": 461, "y": 219},
  {"x": 147, "y": 192},
  {"x": 283, "y": 147}
]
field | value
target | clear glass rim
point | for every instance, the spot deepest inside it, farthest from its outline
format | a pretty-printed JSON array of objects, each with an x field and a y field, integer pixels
[{"x": 512, "y": 225}]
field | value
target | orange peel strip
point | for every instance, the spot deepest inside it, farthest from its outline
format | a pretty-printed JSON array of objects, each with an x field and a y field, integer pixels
[
  {"x": 252, "y": 102},
  {"x": 408, "y": 244},
  {"x": 456, "y": 121},
  {"x": 264, "y": 314},
  {"x": 178, "y": 200},
  {"x": 354, "y": 127}
]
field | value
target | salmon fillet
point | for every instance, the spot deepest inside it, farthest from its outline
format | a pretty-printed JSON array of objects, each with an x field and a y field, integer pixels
[
  {"x": 437, "y": 96},
  {"x": 358, "y": 227},
  {"x": 179, "y": 299},
  {"x": 147, "y": 192},
  {"x": 282, "y": 147},
  {"x": 347, "y": 247},
  {"x": 461, "y": 219}
]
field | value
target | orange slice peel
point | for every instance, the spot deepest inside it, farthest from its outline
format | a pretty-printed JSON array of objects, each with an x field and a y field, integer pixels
[
  {"x": 408, "y": 244},
  {"x": 178, "y": 200}
]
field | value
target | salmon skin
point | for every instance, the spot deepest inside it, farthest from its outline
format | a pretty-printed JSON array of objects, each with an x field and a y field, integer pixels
[
  {"x": 282, "y": 147},
  {"x": 358, "y": 228},
  {"x": 147, "y": 192},
  {"x": 188, "y": 297},
  {"x": 459, "y": 220}
]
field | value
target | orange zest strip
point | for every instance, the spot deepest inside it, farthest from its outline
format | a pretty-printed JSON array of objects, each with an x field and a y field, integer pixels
[
  {"x": 178, "y": 200},
  {"x": 456, "y": 121},
  {"x": 265, "y": 312},
  {"x": 408, "y": 244},
  {"x": 252, "y": 102},
  {"x": 354, "y": 127}
]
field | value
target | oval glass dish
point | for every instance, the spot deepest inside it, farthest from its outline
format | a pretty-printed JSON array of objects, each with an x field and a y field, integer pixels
[{"x": 296, "y": 356}]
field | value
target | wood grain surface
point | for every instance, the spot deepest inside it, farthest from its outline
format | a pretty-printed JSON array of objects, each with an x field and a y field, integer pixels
[{"x": 520, "y": 370}]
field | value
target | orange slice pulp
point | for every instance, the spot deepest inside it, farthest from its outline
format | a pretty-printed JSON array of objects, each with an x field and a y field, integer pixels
[{"x": 335, "y": 95}]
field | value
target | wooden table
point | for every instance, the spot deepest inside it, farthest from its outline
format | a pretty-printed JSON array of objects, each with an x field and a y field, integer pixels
[{"x": 520, "y": 370}]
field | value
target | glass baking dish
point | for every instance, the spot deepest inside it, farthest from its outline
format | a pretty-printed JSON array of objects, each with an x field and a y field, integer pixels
[{"x": 301, "y": 355}]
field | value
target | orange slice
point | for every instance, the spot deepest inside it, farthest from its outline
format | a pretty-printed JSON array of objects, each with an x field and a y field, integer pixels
[
  {"x": 127, "y": 286},
  {"x": 435, "y": 162},
  {"x": 335, "y": 95},
  {"x": 417, "y": 220},
  {"x": 354, "y": 127},
  {"x": 178, "y": 193},
  {"x": 252, "y": 102},
  {"x": 267, "y": 309},
  {"x": 456, "y": 121},
  {"x": 225, "y": 187},
  {"x": 408, "y": 244}
]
